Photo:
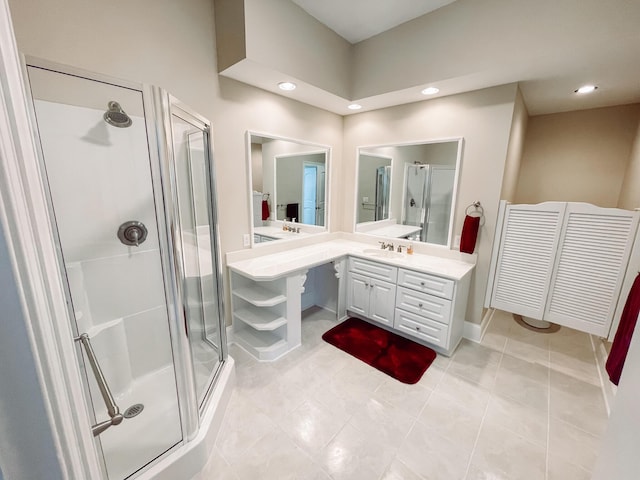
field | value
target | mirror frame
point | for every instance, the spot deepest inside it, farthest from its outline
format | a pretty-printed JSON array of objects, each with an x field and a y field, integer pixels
[
  {"x": 456, "y": 182},
  {"x": 321, "y": 148}
]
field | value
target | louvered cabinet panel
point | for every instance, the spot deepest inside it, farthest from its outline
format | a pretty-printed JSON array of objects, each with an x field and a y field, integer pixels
[
  {"x": 593, "y": 255},
  {"x": 525, "y": 261}
]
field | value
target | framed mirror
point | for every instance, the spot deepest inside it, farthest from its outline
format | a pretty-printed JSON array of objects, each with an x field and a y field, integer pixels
[
  {"x": 288, "y": 187},
  {"x": 408, "y": 191}
]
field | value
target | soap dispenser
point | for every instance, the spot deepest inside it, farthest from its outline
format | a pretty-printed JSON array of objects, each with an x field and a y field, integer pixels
[{"x": 410, "y": 249}]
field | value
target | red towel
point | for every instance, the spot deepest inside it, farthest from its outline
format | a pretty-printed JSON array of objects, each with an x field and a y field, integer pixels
[
  {"x": 265, "y": 210},
  {"x": 621, "y": 342},
  {"x": 469, "y": 234}
]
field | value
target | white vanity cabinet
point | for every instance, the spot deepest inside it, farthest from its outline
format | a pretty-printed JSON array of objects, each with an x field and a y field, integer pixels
[
  {"x": 418, "y": 304},
  {"x": 421, "y": 297},
  {"x": 371, "y": 289},
  {"x": 424, "y": 305}
]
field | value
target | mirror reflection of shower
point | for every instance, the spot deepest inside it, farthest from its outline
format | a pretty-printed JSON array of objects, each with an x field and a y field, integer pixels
[
  {"x": 428, "y": 195},
  {"x": 419, "y": 203},
  {"x": 383, "y": 184}
]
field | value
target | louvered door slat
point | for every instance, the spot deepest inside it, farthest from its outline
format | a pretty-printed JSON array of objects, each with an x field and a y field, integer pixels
[
  {"x": 593, "y": 255},
  {"x": 525, "y": 260}
]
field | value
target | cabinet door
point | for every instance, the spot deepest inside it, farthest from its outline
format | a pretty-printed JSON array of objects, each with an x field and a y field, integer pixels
[
  {"x": 592, "y": 260},
  {"x": 525, "y": 260},
  {"x": 358, "y": 294},
  {"x": 382, "y": 301}
]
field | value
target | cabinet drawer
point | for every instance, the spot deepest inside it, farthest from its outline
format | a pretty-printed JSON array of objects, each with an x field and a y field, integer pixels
[
  {"x": 423, "y": 304},
  {"x": 380, "y": 271},
  {"x": 424, "y": 282},
  {"x": 427, "y": 330}
]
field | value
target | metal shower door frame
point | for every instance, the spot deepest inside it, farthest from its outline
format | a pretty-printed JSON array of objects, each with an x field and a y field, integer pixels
[{"x": 173, "y": 106}]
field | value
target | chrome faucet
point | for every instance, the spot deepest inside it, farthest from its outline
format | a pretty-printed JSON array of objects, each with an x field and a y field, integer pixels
[
  {"x": 383, "y": 245},
  {"x": 390, "y": 246},
  {"x": 399, "y": 249}
]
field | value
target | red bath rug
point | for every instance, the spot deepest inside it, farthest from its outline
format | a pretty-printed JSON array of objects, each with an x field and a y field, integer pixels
[{"x": 392, "y": 354}]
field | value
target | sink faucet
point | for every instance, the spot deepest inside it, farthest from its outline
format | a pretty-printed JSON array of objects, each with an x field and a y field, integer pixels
[
  {"x": 399, "y": 250},
  {"x": 390, "y": 246},
  {"x": 383, "y": 245}
]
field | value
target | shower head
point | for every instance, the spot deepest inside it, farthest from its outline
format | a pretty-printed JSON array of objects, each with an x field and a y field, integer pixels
[{"x": 115, "y": 116}]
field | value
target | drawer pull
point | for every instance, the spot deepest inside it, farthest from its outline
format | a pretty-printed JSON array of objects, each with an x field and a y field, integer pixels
[
  {"x": 422, "y": 284},
  {"x": 418, "y": 329},
  {"x": 420, "y": 305}
]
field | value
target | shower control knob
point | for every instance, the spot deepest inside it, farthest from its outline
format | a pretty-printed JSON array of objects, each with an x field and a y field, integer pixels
[{"x": 132, "y": 233}]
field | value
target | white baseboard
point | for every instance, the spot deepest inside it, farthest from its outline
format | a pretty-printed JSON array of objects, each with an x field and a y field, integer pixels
[
  {"x": 608, "y": 388},
  {"x": 475, "y": 331}
]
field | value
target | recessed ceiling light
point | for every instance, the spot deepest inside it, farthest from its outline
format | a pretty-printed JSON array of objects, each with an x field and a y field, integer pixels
[
  {"x": 430, "y": 91},
  {"x": 287, "y": 86},
  {"x": 586, "y": 89},
  {"x": 354, "y": 106}
]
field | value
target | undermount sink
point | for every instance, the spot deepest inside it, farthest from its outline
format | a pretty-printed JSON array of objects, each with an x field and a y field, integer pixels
[{"x": 378, "y": 252}]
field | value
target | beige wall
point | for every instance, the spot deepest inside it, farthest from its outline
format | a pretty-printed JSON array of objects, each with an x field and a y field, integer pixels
[
  {"x": 579, "y": 156},
  {"x": 483, "y": 118},
  {"x": 630, "y": 191},
  {"x": 281, "y": 35},
  {"x": 515, "y": 149},
  {"x": 172, "y": 45}
]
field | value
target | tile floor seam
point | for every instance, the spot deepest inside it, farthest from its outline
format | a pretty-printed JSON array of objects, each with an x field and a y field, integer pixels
[
  {"x": 602, "y": 381},
  {"x": 546, "y": 468},
  {"x": 484, "y": 415}
]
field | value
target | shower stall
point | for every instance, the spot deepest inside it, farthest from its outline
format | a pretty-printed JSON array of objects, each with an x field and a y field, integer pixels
[
  {"x": 129, "y": 175},
  {"x": 428, "y": 193}
]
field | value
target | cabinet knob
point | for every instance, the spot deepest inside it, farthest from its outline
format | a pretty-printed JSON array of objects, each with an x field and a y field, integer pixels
[
  {"x": 366, "y": 284},
  {"x": 418, "y": 329},
  {"x": 420, "y": 305},
  {"x": 422, "y": 284}
]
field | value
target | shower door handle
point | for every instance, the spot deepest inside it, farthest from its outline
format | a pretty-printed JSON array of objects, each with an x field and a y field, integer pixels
[{"x": 112, "y": 409}]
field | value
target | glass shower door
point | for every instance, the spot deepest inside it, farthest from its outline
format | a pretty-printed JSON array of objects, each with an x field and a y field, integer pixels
[
  {"x": 97, "y": 168},
  {"x": 196, "y": 210}
]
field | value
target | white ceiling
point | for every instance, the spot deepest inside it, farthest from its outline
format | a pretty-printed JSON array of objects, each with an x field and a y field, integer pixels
[{"x": 357, "y": 20}]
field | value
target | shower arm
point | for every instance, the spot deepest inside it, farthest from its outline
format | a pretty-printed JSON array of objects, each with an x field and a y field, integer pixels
[{"x": 112, "y": 408}]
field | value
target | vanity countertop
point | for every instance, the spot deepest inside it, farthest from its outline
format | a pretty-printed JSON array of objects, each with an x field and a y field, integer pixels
[
  {"x": 269, "y": 267},
  {"x": 276, "y": 232},
  {"x": 395, "y": 231}
]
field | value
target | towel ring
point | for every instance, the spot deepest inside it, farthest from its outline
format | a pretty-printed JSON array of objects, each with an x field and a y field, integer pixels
[
  {"x": 265, "y": 196},
  {"x": 477, "y": 210}
]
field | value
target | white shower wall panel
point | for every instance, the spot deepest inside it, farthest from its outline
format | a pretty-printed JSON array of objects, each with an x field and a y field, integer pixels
[
  {"x": 110, "y": 346},
  {"x": 104, "y": 177},
  {"x": 124, "y": 285},
  {"x": 150, "y": 329},
  {"x": 100, "y": 177}
]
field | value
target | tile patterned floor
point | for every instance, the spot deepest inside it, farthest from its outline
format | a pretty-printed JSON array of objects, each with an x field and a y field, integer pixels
[{"x": 520, "y": 405}]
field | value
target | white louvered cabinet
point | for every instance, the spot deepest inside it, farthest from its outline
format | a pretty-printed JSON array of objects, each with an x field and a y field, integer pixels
[
  {"x": 561, "y": 262},
  {"x": 528, "y": 246}
]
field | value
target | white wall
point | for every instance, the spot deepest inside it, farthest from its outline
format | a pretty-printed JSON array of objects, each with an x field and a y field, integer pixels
[
  {"x": 619, "y": 458},
  {"x": 25, "y": 430},
  {"x": 579, "y": 156},
  {"x": 630, "y": 191},
  {"x": 483, "y": 118},
  {"x": 515, "y": 149},
  {"x": 283, "y": 36}
]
